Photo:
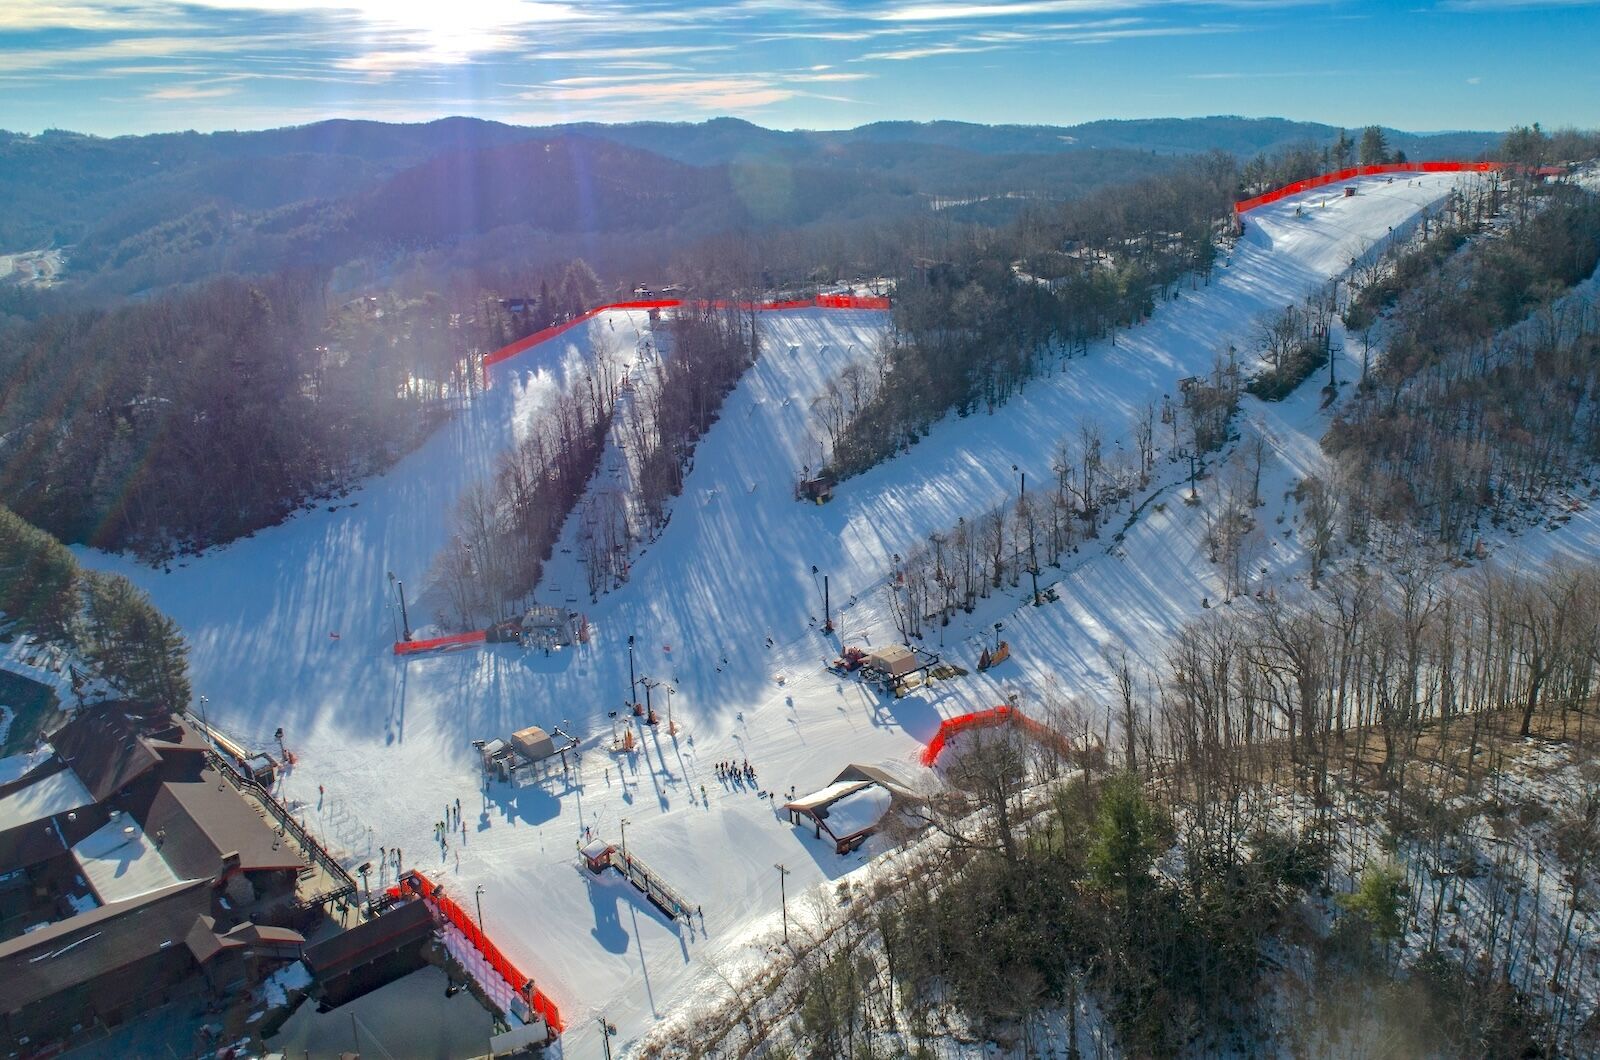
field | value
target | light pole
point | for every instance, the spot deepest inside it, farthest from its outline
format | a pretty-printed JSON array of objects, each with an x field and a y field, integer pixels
[
  {"x": 672, "y": 726},
  {"x": 649, "y": 711},
  {"x": 405, "y": 619},
  {"x": 478, "y": 896},
  {"x": 633, "y": 683},
  {"x": 1033, "y": 552},
  {"x": 997, "y": 628},
  {"x": 624, "y": 823},
  {"x": 606, "y": 1031},
  {"x": 783, "y": 896},
  {"x": 205, "y": 716},
  {"x": 827, "y": 604}
]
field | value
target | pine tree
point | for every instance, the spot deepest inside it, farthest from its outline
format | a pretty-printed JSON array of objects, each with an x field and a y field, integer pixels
[{"x": 1374, "y": 147}]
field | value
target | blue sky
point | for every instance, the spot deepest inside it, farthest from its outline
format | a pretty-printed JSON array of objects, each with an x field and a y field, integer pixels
[{"x": 156, "y": 65}]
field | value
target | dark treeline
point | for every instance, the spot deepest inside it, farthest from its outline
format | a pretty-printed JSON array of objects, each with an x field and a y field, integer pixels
[
  {"x": 108, "y": 622},
  {"x": 194, "y": 419},
  {"x": 1484, "y": 403},
  {"x": 671, "y": 403},
  {"x": 504, "y": 529},
  {"x": 998, "y": 308}
]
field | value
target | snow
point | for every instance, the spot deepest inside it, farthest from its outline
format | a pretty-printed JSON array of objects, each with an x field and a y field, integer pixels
[
  {"x": 43, "y": 662},
  {"x": 120, "y": 862},
  {"x": 827, "y": 794},
  {"x": 59, "y": 792},
  {"x": 857, "y": 811},
  {"x": 15, "y": 767},
  {"x": 388, "y": 739},
  {"x": 277, "y": 987}
]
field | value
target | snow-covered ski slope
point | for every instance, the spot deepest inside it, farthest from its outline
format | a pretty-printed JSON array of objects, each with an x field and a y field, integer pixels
[{"x": 388, "y": 739}]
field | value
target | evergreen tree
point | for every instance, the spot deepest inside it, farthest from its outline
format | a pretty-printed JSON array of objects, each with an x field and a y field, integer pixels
[
  {"x": 1342, "y": 149},
  {"x": 136, "y": 649},
  {"x": 1374, "y": 147},
  {"x": 1127, "y": 836}
]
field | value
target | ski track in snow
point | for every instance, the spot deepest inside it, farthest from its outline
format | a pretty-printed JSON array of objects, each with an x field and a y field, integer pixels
[{"x": 390, "y": 739}]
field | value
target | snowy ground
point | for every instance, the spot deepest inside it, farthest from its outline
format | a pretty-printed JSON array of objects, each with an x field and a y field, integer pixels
[{"x": 388, "y": 740}]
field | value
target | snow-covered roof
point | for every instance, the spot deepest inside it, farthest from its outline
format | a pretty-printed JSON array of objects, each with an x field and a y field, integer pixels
[
  {"x": 595, "y": 848},
  {"x": 15, "y": 767},
  {"x": 858, "y": 811},
  {"x": 821, "y": 798},
  {"x": 119, "y": 861},
  {"x": 49, "y": 795},
  {"x": 847, "y": 807}
]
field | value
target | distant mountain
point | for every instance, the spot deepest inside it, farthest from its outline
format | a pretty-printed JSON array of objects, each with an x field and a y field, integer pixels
[{"x": 140, "y": 212}]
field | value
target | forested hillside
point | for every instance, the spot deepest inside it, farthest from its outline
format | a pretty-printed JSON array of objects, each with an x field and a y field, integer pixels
[
  {"x": 1481, "y": 411},
  {"x": 310, "y": 301},
  {"x": 191, "y": 420}
]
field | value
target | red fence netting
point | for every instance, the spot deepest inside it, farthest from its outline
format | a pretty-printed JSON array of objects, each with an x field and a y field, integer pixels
[
  {"x": 1246, "y": 205},
  {"x": 821, "y": 301},
  {"x": 415, "y": 883},
  {"x": 988, "y": 719},
  {"x": 407, "y": 647}
]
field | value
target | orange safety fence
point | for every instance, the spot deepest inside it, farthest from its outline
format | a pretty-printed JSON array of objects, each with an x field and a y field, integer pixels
[
  {"x": 988, "y": 719},
  {"x": 821, "y": 301},
  {"x": 1246, "y": 205},
  {"x": 415, "y": 883},
  {"x": 408, "y": 647}
]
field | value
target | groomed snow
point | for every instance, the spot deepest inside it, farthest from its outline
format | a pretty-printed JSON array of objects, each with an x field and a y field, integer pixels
[{"x": 388, "y": 740}]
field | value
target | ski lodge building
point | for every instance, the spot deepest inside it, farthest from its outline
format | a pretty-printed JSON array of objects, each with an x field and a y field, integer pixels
[
  {"x": 131, "y": 873},
  {"x": 852, "y": 808}
]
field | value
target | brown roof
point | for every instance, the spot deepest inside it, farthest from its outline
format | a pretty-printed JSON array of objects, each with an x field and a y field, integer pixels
[
  {"x": 32, "y": 844},
  {"x": 370, "y": 940},
  {"x": 202, "y": 939},
  {"x": 105, "y": 749},
  {"x": 196, "y": 822},
  {"x": 205, "y": 943},
  {"x": 83, "y": 948}
]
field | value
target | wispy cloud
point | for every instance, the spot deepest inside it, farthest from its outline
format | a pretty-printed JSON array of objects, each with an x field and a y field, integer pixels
[
  {"x": 927, "y": 52},
  {"x": 191, "y": 92}
]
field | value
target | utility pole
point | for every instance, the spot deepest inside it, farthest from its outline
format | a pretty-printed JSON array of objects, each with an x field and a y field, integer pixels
[
  {"x": 606, "y": 1031},
  {"x": 649, "y": 711},
  {"x": 783, "y": 896},
  {"x": 478, "y": 895},
  {"x": 672, "y": 726},
  {"x": 624, "y": 823}
]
